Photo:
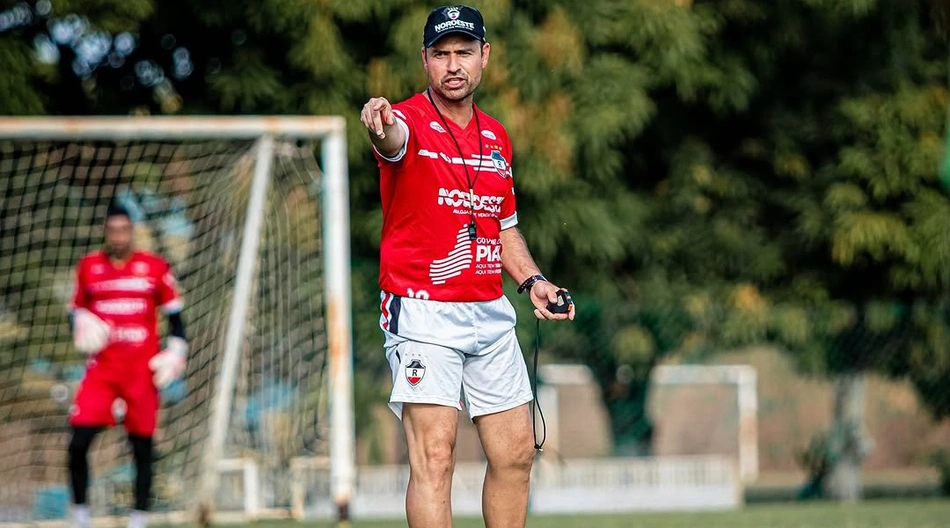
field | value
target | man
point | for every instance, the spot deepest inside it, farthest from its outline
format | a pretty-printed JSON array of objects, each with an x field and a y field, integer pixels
[
  {"x": 448, "y": 232},
  {"x": 113, "y": 316}
]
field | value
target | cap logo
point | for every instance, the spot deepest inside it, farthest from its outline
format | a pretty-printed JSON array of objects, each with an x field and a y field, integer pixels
[
  {"x": 452, "y": 19},
  {"x": 454, "y": 24}
]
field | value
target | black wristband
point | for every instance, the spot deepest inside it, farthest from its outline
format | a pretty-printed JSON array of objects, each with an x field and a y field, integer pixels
[{"x": 529, "y": 282}]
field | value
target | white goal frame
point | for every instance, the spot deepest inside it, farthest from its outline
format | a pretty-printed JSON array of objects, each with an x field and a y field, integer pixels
[
  {"x": 744, "y": 378},
  {"x": 331, "y": 131}
]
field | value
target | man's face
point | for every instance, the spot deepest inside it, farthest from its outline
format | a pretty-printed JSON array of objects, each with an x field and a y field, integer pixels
[
  {"x": 454, "y": 65},
  {"x": 119, "y": 236}
]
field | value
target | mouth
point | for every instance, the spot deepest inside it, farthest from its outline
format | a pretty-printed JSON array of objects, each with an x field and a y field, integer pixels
[{"x": 453, "y": 83}]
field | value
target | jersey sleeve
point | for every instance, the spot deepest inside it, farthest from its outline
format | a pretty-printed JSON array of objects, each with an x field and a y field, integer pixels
[
  {"x": 169, "y": 298},
  {"x": 80, "y": 292},
  {"x": 509, "y": 210},
  {"x": 404, "y": 121}
]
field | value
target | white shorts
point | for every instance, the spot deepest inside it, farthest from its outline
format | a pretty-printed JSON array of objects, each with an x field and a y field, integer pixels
[{"x": 454, "y": 354}]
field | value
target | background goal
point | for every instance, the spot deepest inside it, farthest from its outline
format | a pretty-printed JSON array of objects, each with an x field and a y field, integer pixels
[
  {"x": 721, "y": 403},
  {"x": 253, "y": 215}
]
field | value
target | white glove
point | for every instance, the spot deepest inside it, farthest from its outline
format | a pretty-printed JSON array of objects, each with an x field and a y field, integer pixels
[
  {"x": 169, "y": 364},
  {"x": 90, "y": 333}
]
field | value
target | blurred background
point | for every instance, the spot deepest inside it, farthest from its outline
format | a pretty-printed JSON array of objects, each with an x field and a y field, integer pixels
[{"x": 721, "y": 182}]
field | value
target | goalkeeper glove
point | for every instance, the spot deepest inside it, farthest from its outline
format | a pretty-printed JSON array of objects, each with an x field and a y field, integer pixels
[
  {"x": 169, "y": 364},
  {"x": 90, "y": 333}
]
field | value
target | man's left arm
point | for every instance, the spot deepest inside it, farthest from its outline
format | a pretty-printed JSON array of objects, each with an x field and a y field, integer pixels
[
  {"x": 176, "y": 333},
  {"x": 169, "y": 364},
  {"x": 516, "y": 260}
]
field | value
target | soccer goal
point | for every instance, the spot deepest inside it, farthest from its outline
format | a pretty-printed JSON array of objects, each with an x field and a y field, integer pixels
[
  {"x": 707, "y": 409},
  {"x": 253, "y": 214}
]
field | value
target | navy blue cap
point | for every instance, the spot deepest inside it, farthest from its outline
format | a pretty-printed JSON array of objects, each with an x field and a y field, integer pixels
[{"x": 446, "y": 20}]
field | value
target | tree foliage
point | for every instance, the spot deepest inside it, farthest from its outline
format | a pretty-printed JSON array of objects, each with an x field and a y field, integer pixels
[{"x": 702, "y": 175}]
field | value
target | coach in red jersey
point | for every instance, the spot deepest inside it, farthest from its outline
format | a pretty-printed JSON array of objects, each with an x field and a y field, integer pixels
[
  {"x": 113, "y": 315},
  {"x": 449, "y": 230}
]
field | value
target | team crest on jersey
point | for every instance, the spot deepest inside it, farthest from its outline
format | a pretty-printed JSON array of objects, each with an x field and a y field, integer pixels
[
  {"x": 97, "y": 269},
  {"x": 140, "y": 268},
  {"x": 415, "y": 371},
  {"x": 500, "y": 163}
]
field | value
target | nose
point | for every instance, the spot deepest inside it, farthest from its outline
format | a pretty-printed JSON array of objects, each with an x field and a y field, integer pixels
[{"x": 454, "y": 64}]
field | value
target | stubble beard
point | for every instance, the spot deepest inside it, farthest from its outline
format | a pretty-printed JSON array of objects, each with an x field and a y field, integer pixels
[{"x": 457, "y": 95}]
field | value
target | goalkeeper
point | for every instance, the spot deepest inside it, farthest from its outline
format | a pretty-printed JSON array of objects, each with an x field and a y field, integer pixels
[{"x": 113, "y": 316}]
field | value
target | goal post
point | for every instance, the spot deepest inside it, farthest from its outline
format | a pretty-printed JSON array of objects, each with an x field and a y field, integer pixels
[
  {"x": 255, "y": 177},
  {"x": 227, "y": 378},
  {"x": 744, "y": 379}
]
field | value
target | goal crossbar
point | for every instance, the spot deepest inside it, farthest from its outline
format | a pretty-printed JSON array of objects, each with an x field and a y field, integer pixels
[{"x": 165, "y": 127}]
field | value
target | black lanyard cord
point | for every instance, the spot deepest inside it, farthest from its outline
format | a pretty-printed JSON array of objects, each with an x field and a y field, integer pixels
[
  {"x": 481, "y": 156},
  {"x": 536, "y": 405}
]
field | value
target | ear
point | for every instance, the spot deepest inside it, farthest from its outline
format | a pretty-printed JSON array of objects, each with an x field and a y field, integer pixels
[
  {"x": 486, "y": 51},
  {"x": 425, "y": 58}
]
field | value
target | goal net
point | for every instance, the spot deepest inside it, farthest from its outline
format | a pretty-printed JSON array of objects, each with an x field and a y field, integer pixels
[{"x": 239, "y": 208}]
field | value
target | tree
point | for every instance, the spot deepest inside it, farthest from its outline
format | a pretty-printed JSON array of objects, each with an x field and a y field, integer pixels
[
  {"x": 703, "y": 175},
  {"x": 835, "y": 162}
]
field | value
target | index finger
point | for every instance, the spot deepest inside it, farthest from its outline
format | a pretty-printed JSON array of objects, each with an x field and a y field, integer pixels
[{"x": 377, "y": 123}]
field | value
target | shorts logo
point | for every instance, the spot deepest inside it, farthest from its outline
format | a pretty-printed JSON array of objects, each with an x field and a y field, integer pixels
[{"x": 415, "y": 371}]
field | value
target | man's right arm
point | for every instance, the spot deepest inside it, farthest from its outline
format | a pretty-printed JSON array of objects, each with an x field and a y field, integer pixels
[{"x": 385, "y": 131}]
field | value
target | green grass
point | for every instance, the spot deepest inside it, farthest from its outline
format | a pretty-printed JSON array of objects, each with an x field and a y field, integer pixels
[{"x": 877, "y": 514}]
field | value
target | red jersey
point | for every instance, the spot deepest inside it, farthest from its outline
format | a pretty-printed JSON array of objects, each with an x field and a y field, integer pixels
[
  {"x": 127, "y": 297},
  {"x": 428, "y": 203}
]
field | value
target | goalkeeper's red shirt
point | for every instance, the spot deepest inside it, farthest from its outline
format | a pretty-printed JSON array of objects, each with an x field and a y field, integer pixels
[
  {"x": 127, "y": 296},
  {"x": 428, "y": 202}
]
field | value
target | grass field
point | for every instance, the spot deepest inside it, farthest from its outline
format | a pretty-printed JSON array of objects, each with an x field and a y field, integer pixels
[{"x": 877, "y": 514}]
